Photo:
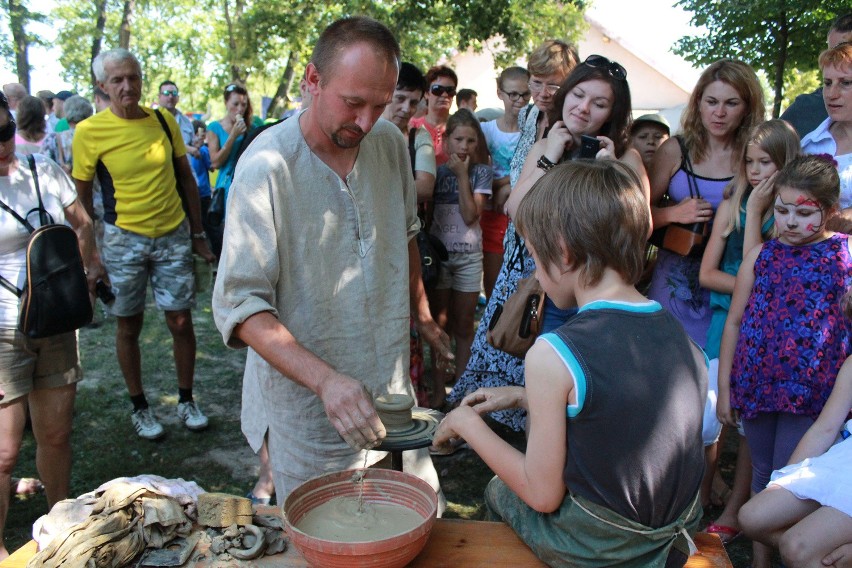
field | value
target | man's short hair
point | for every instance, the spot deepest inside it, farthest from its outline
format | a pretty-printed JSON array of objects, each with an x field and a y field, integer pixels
[
  {"x": 441, "y": 71},
  {"x": 465, "y": 95},
  {"x": 350, "y": 31},
  {"x": 196, "y": 124},
  {"x": 77, "y": 109},
  {"x": 842, "y": 24},
  {"x": 164, "y": 83},
  {"x": 411, "y": 78},
  {"x": 117, "y": 55},
  {"x": 594, "y": 209}
]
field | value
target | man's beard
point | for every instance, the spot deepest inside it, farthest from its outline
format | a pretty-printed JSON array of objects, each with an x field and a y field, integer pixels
[{"x": 342, "y": 142}]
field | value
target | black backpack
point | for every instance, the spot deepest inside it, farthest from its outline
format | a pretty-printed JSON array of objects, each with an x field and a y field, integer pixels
[{"x": 55, "y": 298}]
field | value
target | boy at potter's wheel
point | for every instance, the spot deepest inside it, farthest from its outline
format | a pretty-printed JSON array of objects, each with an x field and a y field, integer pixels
[{"x": 614, "y": 397}]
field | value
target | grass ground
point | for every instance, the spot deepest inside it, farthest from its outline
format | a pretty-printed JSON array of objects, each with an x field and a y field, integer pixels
[{"x": 105, "y": 445}]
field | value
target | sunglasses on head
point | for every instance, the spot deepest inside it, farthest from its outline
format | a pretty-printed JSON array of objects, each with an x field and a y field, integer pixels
[
  {"x": 600, "y": 62},
  {"x": 7, "y": 132},
  {"x": 169, "y": 92},
  {"x": 439, "y": 90}
]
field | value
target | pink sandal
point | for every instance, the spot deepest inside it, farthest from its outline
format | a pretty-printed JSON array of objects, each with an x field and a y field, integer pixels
[{"x": 725, "y": 533}]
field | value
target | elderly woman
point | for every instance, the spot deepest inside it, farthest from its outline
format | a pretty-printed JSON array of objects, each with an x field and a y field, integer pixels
[
  {"x": 834, "y": 135},
  {"x": 41, "y": 374},
  {"x": 77, "y": 109},
  {"x": 548, "y": 65}
]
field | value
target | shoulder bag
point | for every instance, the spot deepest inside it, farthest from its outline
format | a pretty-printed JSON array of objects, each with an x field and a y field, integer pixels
[
  {"x": 516, "y": 323},
  {"x": 685, "y": 239}
]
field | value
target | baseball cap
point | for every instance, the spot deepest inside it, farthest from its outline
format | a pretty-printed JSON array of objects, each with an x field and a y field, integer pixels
[
  {"x": 654, "y": 118},
  {"x": 64, "y": 95}
]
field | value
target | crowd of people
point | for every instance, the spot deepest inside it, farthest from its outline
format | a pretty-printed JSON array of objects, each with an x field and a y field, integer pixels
[{"x": 313, "y": 223}]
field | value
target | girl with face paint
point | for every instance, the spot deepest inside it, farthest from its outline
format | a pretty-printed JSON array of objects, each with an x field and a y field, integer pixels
[{"x": 786, "y": 335}]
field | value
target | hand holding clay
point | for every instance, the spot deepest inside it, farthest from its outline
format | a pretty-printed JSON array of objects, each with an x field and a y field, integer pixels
[
  {"x": 487, "y": 400},
  {"x": 439, "y": 341},
  {"x": 350, "y": 410}
]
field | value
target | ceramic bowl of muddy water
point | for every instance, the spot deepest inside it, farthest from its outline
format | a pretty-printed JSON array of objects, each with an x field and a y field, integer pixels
[{"x": 382, "y": 487}]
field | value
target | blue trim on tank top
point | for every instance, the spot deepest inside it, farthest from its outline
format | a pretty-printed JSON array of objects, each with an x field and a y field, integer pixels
[{"x": 648, "y": 307}]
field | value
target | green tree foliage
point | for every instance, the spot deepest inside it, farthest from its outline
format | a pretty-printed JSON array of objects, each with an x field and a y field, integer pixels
[
  {"x": 770, "y": 35},
  {"x": 205, "y": 44},
  {"x": 18, "y": 15}
]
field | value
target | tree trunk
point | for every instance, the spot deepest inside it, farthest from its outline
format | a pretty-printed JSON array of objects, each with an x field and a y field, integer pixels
[
  {"x": 780, "y": 61},
  {"x": 124, "y": 29},
  {"x": 18, "y": 22},
  {"x": 281, "y": 97},
  {"x": 237, "y": 73},
  {"x": 98, "y": 36}
]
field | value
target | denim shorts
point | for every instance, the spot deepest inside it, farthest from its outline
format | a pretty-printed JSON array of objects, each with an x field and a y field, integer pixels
[
  {"x": 131, "y": 259},
  {"x": 28, "y": 364}
]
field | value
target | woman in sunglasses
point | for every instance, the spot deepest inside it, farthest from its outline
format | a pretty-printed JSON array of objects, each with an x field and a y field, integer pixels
[
  {"x": 39, "y": 374},
  {"x": 224, "y": 137},
  {"x": 442, "y": 82}
]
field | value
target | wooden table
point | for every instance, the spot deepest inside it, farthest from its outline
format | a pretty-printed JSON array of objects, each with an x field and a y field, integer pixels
[{"x": 454, "y": 543}]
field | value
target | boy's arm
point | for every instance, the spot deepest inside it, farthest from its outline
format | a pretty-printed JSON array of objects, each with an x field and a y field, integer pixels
[
  {"x": 537, "y": 476},
  {"x": 731, "y": 333}
]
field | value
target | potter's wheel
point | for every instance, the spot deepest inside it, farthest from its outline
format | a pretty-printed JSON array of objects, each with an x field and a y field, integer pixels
[{"x": 417, "y": 434}]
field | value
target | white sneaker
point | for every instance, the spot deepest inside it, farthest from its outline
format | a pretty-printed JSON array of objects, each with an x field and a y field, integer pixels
[
  {"x": 146, "y": 424},
  {"x": 191, "y": 415}
]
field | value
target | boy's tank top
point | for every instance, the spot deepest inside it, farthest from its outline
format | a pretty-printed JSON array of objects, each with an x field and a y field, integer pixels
[{"x": 635, "y": 444}]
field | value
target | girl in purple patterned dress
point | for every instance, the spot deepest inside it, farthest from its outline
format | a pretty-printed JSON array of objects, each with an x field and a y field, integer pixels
[{"x": 786, "y": 336}]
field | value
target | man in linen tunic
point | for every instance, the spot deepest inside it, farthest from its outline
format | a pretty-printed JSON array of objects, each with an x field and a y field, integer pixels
[{"x": 328, "y": 256}]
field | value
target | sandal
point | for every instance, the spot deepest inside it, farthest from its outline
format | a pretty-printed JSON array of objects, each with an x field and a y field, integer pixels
[{"x": 725, "y": 533}]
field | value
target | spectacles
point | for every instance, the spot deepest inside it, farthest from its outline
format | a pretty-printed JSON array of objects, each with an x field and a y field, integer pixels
[
  {"x": 536, "y": 86},
  {"x": 439, "y": 90},
  {"x": 7, "y": 132},
  {"x": 170, "y": 93},
  {"x": 600, "y": 62},
  {"x": 514, "y": 96}
]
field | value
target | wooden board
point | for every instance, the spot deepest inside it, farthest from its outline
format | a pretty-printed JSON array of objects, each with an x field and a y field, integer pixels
[{"x": 454, "y": 543}]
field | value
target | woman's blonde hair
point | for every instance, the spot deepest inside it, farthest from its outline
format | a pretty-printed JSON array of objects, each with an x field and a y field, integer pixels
[
  {"x": 743, "y": 79},
  {"x": 551, "y": 57},
  {"x": 780, "y": 141}
]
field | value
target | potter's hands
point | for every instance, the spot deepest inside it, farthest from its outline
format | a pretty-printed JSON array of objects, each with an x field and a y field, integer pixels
[
  {"x": 439, "y": 342},
  {"x": 453, "y": 425},
  {"x": 350, "y": 410},
  {"x": 691, "y": 210},
  {"x": 459, "y": 166},
  {"x": 841, "y": 557},
  {"x": 559, "y": 140},
  {"x": 761, "y": 196},
  {"x": 487, "y": 400},
  {"x": 726, "y": 415},
  {"x": 607, "y": 149}
]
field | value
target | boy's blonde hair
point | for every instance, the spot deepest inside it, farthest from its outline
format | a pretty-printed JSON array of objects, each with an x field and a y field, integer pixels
[
  {"x": 594, "y": 209},
  {"x": 780, "y": 141}
]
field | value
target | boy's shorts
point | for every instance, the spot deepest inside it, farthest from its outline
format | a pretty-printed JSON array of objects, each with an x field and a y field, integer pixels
[
  {"x": 493, "y": 227},
  {"x": 462, "y": 272},
  {"x": 28, "y": 364},
  {"x": 130, "y": 259}
]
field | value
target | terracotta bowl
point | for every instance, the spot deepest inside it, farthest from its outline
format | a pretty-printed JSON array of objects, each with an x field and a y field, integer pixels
[{"x": 380, "y": 486}]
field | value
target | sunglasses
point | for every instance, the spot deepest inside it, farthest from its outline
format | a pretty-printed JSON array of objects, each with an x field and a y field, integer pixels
[
  {"x": 7, "y": 132},
  {"x": 514, "y": 96},
  {"x": 169, "y": 93},
  {"x": 439, "y": 90},
  {"x": 600, "y": 62}
]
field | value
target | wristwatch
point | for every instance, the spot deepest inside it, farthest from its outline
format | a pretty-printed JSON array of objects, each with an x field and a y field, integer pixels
[
  {"x": 199, "y": 236},
  {"x": 545, "y": 163}
]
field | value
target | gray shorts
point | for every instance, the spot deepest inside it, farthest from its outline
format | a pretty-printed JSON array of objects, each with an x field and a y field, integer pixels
[
  {"x": 462, "y": 272},
  {"x": 131, "y": 259},
  {"x": 32, "y": 364}
]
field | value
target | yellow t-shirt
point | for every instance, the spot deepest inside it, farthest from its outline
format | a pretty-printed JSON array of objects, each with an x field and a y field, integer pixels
[{"x": 133, "y": 162}]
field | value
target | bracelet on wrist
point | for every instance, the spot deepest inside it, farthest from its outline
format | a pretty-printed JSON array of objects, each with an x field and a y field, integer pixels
[{"x": 545, "y": 164}]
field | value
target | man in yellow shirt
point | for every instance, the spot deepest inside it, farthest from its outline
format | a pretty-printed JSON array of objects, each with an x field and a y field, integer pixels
[{"x": 146, "y": 235}]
